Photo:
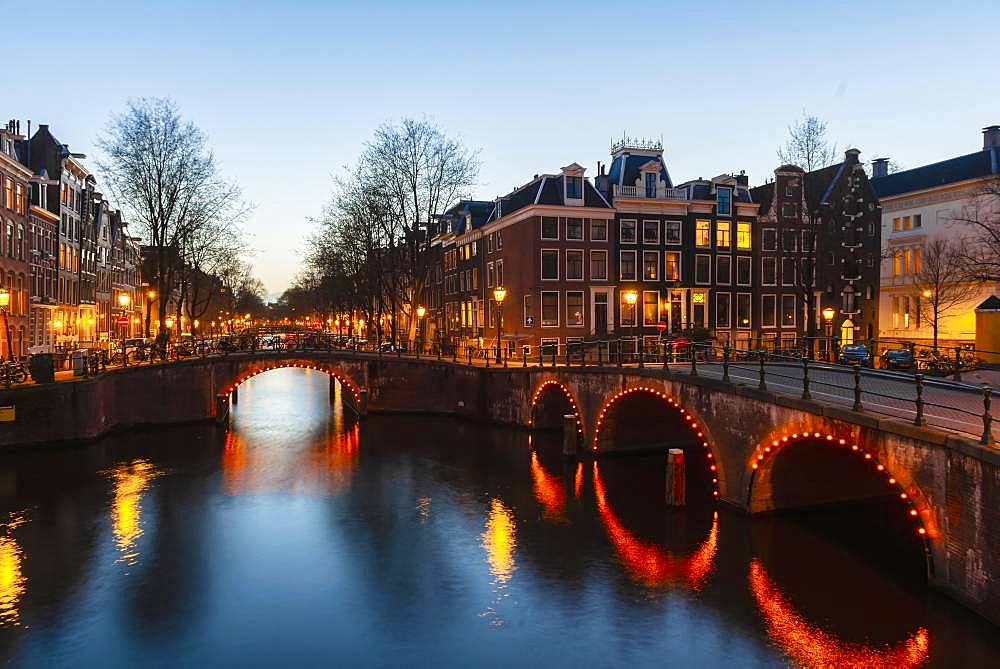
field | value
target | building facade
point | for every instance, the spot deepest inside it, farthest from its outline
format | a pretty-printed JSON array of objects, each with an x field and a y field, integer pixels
[
  {"x": 920, "y": 205},
  {"x": 14, "y": 252}
]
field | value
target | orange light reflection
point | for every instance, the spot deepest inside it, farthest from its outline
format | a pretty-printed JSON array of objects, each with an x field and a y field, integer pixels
[
  {"x": 12, "y": 580},
  {"x": 130, "y": 481},
  {"x": 650, "y": 564},
  {"x": 548, "y": 491},
  {"x": 810, "y": 646}
]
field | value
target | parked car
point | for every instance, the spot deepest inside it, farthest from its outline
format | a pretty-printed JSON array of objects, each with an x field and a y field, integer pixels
[
  {"x": 898, "y": 358},
  {"x": 389, "y": 347},
  {"x": 855, "y": 354}
]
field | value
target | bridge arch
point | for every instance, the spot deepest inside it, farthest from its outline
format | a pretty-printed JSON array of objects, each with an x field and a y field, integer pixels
[
  {"x": 761, "y": 480},
  {"x": 258, "y": 366},
  {"x": 538, "y": 403},
  {"x": 697, "y": 428}
]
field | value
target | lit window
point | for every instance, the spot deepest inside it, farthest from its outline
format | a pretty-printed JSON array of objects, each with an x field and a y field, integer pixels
[
  {"x": 550, "y": 308},
  {"x": 650, "y": 265},
  {"x": 722, "y": 234},
  {"x": 703, "y": 233},
  {"x": 574, "y": 308},
  {"x": 650, "y": 307},
  {"x": 672, "y": 266}
]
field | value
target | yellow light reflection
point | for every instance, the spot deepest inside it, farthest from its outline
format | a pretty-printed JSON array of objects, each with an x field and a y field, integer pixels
[
  {"x": 548, "y": 491},
  {"x": 499, "y": 541},
  {"x": 811, "y": 646},
  {"x": 131, "y": 481},
  {"x": 12, "y": 580},
  {"x": 578, "y": 480},
  {"x": 651, "y": 564}
]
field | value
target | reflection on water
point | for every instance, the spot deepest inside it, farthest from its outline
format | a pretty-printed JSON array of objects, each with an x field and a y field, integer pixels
[
  {"x": 810, "y": 646},
  {"x": 300, "y": 537},
  {"x": 649, "y": 563},
  {"x": 130, "y": 482},
  {"x": 12, "y": 581}
]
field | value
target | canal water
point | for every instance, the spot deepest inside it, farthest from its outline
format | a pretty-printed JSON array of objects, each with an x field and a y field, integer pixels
[{"x": 299, "y": 538}]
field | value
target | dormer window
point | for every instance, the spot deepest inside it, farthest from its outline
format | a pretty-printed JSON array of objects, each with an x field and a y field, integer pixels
[
  {"x": 574, "y": 188},
  {"x": 650, "y": 185},
  {"x": 723, "y": 201}
]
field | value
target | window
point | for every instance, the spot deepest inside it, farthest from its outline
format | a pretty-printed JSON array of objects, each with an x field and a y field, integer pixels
[
  {"x": 550, "y": 265},
  {"x": 698, "y": 308},
  {"x": 871, "y": 229},
  {"x": 702, "y": 268},
  {"x": 743, "y": 310},
  {"x": 529, "y": 311},
  {"x": 788, "y": 239},
  {"x": 895, "y": 225},
  {"x": 788, "y": 211},
  {"x": 723, "y": 270},
  {"x": 499, "y": 272},
  {"x": 906, "y": 223},
  {"x": 672, "y": 266},
  {"x": 650, "y": 265},
  {"x": 808, "y": 241},
  {"x": 599, "y": 231},
  {"x": 574, "y": 229},
  {"x": 574, "y": 308},
  {"x": 489, "y": 272},
  {"x": 650, "y": 307},
  {"x": 743, "y": 271},
  {"x": 550, "y": 308},
  {"x": 703, "y": 233},
  {"x": 548, "y": 346},
  {"x": 916, "y": 259},
  {"x": 743, "y": 238},
  {"x": 672, "y": 232},
  {"x": 650, "y": 184},
  {"x": 626, "y": 232},
  {"x": 917, "y": 220},
  {"x": 626, "y": 265},
  {"x": 768, "y": 311},
  {"x": 723, "y": 310},
  {"x": 723, "y": 201},
  {"x": 598, "y": 265},
  {"x": 489, "y": 244},
  {"x": 787, "y": 272},
  {"x": 787, "y": 311},
  {"x": 768, "y": 271},
  {"x": 650, "y": 232},
  {"x": 574, "y": 188},
  {"x": 722, "y": 234},
  {"x": 627, "y": 311},
  {"x": 499, "y": 243},
  {"x": 769, "y": 239},
  {"x": 574, "y": 265},
  {"x": 550, "y": 227}
]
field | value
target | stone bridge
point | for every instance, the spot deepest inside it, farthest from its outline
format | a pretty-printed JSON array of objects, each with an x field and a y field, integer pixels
[{"x": 760, "y": 451}]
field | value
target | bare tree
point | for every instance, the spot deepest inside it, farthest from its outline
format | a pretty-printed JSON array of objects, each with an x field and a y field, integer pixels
[
  {"x": 942, "y": 281},
  {"x": 980, "y": 223},
  {"x": 160, "y": 169},
  {"x": 807, "y": 145}
]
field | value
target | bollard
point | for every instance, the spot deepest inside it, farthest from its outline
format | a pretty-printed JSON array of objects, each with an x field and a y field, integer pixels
[
  {"x": 919, "y": 419},
  {"x": 725, "y": 363},
  {"x": 805, "y": 379},
  {"x": 857, "y": 389},
  {"x": 524, "y": 357},
  {"x": 221, "y": 410},
  {"x": 958, "y": 363},
  {"x": 987, "y": 438},
  {"x": 694, "y": 360},
  {"x": 761, "y": 385},
  {"x": 570, "y": 440},
  {"x": 675, "y": 492}
]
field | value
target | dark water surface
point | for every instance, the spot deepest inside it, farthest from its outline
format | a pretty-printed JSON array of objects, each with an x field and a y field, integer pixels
[{"x": 299, "y": 538}]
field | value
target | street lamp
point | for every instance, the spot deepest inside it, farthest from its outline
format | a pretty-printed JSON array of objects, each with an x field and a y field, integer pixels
[
  {"x": 499, "y": 293},
  {"x": 421, "y": 312},
  {"x": 828, "y": 314},
  {"x": 631, "y": 297},
  {"x": 4, "y": 303}
]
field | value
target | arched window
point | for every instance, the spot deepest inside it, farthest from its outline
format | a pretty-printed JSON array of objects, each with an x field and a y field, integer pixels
[{"x": 847, "y": 332}]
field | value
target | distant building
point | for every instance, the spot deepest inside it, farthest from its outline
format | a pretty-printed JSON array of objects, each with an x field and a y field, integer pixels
[
  {"x": 14, "y": 199},
  {"x": 918, "y": 205},
  {"x": 460, "y": 272}
]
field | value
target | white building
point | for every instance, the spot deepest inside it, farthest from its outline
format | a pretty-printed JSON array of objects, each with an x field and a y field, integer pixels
[{"x": 918, "y": 205}]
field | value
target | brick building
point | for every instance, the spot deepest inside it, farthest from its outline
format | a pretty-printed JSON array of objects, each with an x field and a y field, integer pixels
[{"x": 14, "y": 272}]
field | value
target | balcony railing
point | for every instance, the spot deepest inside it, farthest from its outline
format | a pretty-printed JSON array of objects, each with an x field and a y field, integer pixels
[{"x": 640, "y": 192}]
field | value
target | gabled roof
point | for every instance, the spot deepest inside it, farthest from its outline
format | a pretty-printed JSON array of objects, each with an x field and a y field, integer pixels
[
  {"x": 991, "y": 303},
  {"x": 970, "y": 166},
  {"x": 819, "y": 184},
  {"x": 546, "y": 189},
  {"x": 625, "y": 169}
]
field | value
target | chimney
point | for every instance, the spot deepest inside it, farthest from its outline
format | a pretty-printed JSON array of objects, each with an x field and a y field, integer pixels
[
  {"x": 880, "y": 167},
  {"x": 991, "y": 136},
  {"x": 742, "y": 179},
  {"x": 851, "y": 155}
]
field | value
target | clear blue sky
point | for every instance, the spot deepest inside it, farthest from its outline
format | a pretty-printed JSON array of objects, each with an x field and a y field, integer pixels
[{"x": 289, "y": 90}]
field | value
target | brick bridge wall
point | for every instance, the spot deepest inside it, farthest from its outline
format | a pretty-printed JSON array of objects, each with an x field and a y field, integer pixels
[{"x": 952, "y": 483}]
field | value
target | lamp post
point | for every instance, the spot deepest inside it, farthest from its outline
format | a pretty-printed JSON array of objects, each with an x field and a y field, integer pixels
[
  {"x": 123, "y": 302},
  {"x": 4, "y": 303},
  {"x": 421, "y": 312},
  {"x": 631, "y": 297},
  {"x": 499, "y": 293},
  {"x": 828, "y": 314},
  {"x": 150, "y": 296}
]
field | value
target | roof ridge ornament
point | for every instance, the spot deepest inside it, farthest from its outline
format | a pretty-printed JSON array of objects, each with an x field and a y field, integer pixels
[{"x": 636, "y": 143}]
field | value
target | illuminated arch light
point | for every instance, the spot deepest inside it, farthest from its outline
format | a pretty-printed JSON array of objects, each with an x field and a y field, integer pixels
[
  {"x": 912, "y": 510},
  {"x": 343, "y": 379},
  {"x": 685, "y": 415},
  {"x": 566, "y": 393}
]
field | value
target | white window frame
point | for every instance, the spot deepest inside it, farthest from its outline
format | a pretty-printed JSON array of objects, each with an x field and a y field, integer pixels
[
  {"x": 794, "y": 272},
  {"x": 708, "y": 281},
  {"x": 696, "y": 231},
  {"x": 583, "y": 309},
  {"x": 732, "y": 193},
  {"x": 541, "y": 229},
  {"x": 621, "y": 223},
  {"x": 794, "y": 318},
  {"x": 643, "y": 308},
  {"x": 541, "y": 265},
  {"x": 718, "y": 274},
  {"x": 749, "y": 261},
  {"x": 680, "y": 262},
  {"x": 583, "y": 271},
  {"x": 583, "y": 229},
  {"x": 774, "y": 311},
  {"x": 656, "y": 225},
  {"x": 774, "y": 261},
  {"x": 657, "y": 265},
  {"x": 605, "y": 254},
  {"x": 621, "y": 264},
  {"x": 680, "y": 233},
  {"x": 763, "y": 238},
  {"x": 729, "y": 314},
  {"x": 541, "y": 308},
  {"x": 736, "y": 236},
  {"x": 729, "y": 237},
  {"x": 736, "y": 311},
  {"x": 606, "y": 226}
]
